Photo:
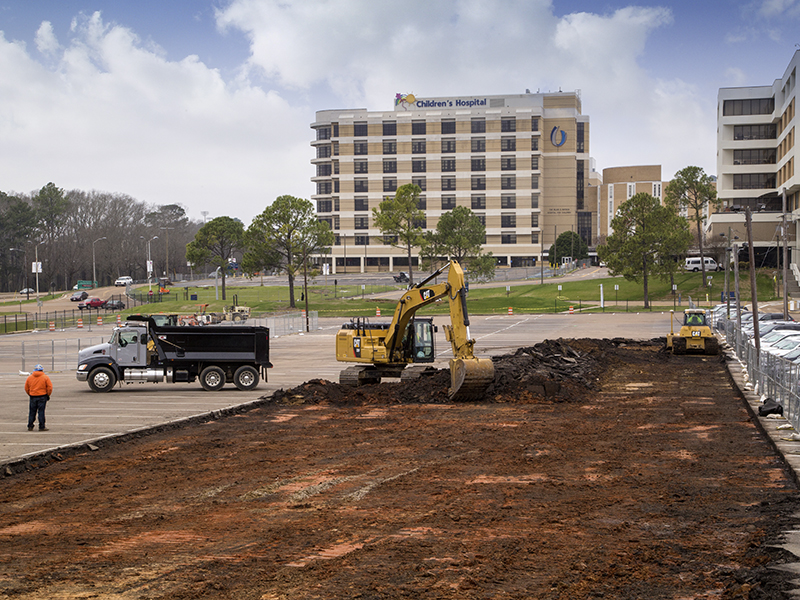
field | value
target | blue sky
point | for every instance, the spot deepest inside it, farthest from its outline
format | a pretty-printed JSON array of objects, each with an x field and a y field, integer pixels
[{"x": 208, "y": 102}]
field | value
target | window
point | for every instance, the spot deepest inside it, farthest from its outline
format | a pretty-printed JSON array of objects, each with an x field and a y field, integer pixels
[
  {"x": 508, "y": 220},
  {"x": 422, "y": 223},
  {"x": 360, "y": 165},
  {"x": 579, "y": 185},
  {"x": 535, "y": 220},
  {"x": 324, "y": 133},
  {"x": 324, "y": 206},
  {"x": 478, "y": 126},
  {"x": 630, "y": 191},
  {"x": 535, "y": 237},
  {"x": 390, "y": 184},
  {"x": 362, "y": 240},
  {"x": 422, "y": 203},
  {"x": 755, "y": 132},
  {"x": 657, "y": 190},
  {"x": 389, "y": 165},
  {"x": 361, "y": 185},
  {"x": 478, "y": 202},
  {"x": 534, "y": 182},
  {"x": 360, "y": 148},
  {"x": 360, "y": 130},
  {"x": 751, "y": 106},
  {"x": 508, "y": 124},
  {"x": 324, "y": 187},
  {"x": 448, "y": 146},
  {"x": 448, "y": 184},
  {"x": 417, "y": 146},
  {"x": 418, "y": 166},
  {"x": 534, "y": 163},
  {"x": 478, "y": 164},
  {"x": 323, "y": 151},
  {"x": 508, "y": 163},
  {"x": 508, "y": 144},
  {"x": 389, "y": 147},
  {"x": 417, "y": 127},
  {"x": 361, "y": 203},
  {"x": 389, "y": 128},
  {"x": 448, "y": 165},
  {"x": 478, "y": 144},
  {"x": 585, "y": 226},
  {"x": 336, "y": 148},
  {"x": 478, "y": 182},
  {"x": 336, "y": 167},
  {"x": 508, "y": 201},
  {"x": 508, "y": 182},
  {"x": 448, "y": 202},
  {"x": 535, "y": 144},
  {"x": 579, "y": 137},
  {"x": 448, "y": 127},
  {"x": 335, "y": 186},
  {"x": 336, "y": 205},
  {"x": 534, "y": 200},
  {"x": 482, "y": 219},
  {"x": 765, "y": 156},
  {"x": 324, "y": 170},
  {"x": 361, "y": 222},
  {"x": 388, "y": 240},
  {"x": 508, "y": 238},
  {"x": 535, "y": 124},
  {"x": 335, "y": 130},
  {"x": 336, "y": 222},
  {"x": 420, "y": 182},
  {"x": 754, "y": 181}
]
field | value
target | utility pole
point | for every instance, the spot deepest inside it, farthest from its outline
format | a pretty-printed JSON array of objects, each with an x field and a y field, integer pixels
[
  {"x": 166, "y": 273},
  {"x": 753, "y": 290},
  {"x": 785, "y": 259}
]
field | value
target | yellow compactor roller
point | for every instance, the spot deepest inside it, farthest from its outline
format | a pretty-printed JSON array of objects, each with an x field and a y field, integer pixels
[{"x": 386, "y": 349}]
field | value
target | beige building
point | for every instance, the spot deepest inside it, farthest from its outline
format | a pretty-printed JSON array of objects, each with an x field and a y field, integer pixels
[
  {"x": 520, "y": 162},
  {"x": 620, "y": 184}
]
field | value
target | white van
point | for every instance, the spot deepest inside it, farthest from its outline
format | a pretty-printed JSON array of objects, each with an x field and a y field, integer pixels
[{"x": 693, "y": 264}]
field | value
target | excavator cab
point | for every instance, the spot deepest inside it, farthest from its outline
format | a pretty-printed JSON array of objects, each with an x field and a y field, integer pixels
[{"x": 419, "y": 339}]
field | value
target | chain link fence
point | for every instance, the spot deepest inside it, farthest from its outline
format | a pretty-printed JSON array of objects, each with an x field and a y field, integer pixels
[
  {"x": 62, "y": 354},
  {"x": 771, "y": 376}
]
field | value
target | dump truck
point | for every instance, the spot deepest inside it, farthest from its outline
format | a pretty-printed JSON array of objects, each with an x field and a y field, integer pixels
[
  {"x": 387, "y": 349},
  {"x": 154, "y": 348},
  {"x": 695, "y": 334}
]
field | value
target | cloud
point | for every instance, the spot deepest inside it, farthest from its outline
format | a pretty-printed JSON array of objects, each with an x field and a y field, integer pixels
[
  {"x": 116, "y": 116},
  {"x": 774, "y": 9}
]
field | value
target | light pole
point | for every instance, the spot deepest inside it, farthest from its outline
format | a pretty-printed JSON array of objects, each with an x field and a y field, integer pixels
[
  {"x": 94, "y": 267},
  {"x": 150, "y": 264},
  {"x": 166, "y": 245}
]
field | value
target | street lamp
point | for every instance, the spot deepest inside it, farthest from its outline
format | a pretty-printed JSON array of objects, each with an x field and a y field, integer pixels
[
  {"x": 166, "y": 245},
  {"x": 94, "y": 267},
  {"x": 150, "y": 264}
]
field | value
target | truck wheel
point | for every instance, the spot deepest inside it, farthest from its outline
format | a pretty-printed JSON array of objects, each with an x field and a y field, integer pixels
[
  {"x": 102, "y": 379},
  {"x": 245, "y": 378},
  {"x": 237, "y": 318},
  {"x": 212, "y": 379}
]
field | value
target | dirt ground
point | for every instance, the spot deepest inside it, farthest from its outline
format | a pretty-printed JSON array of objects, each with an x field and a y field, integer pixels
[{"x": 591, "y": 469}]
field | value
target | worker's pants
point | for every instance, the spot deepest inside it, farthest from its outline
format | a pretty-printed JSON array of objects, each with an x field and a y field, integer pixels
[{"x": 37, "y": 406}]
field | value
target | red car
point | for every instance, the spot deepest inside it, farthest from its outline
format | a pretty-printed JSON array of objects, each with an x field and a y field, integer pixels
[{"x": 92, "y": 302}]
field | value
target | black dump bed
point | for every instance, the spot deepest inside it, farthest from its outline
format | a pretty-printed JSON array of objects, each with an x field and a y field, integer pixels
[{"x": 219, "y": 344}]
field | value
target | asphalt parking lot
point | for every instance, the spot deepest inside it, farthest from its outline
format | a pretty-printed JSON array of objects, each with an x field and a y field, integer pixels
[{"x": 76, "y": 415}]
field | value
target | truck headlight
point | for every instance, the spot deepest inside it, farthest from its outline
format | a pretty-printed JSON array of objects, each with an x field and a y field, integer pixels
[{"x": 82, "y": 367}]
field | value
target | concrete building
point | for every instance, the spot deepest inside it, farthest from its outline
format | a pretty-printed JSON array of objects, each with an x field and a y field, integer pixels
[
  {"x": 756, "y": 158},
  {"x": 520, "y": 162}
]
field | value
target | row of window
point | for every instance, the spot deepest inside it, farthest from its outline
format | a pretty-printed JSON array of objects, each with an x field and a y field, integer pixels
[
  {"x": 447, "y": 184},
  {"x": 761, "y": 156},
  {"x": 755, "y": 132},
  {"x": 420, "y": 165},
  {"x": 509, "y": 220},
  {"x": 505, "y": 238},
  {"x": 754, "y": 181},
  {"x": 448, "y": 202},
  {"x": 448, "y": 146},
  {"x": 419, "y": 127},
  {"x": 750, "y": 106}
]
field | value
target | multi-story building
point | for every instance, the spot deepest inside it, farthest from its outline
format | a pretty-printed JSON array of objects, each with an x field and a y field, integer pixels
[
  {"x": 756, "y": 157},
  {"x": 520, "y": 162},
  {"x": 620, "y": 184}
]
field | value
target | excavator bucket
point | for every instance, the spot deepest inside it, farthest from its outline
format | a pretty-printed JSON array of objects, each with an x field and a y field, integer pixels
[{"x": 469, "y": 377}]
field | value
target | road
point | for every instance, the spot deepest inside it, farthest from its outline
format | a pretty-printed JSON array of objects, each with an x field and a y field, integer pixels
[{"x": 76, "y": 415}]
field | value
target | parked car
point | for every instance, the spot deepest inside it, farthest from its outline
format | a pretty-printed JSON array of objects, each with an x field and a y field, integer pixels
[
  {"x": 123, "y": 281},
  {"x": 91, "y": 303},
  {"x": 27, "y": 291},
  {"x": 114, "y": 305},
  {"x": 78, "y": 296}
]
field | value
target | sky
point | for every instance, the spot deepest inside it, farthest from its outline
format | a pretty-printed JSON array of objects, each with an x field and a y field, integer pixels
[{"x": 208, "y": 103}]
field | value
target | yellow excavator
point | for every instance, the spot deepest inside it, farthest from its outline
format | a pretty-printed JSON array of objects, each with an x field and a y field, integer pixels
[{"x": 386, "y": 349}]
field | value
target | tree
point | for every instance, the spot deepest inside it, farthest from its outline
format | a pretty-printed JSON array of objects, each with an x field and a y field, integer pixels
[
  {"x": 286, "y": 235},
  {"x": 647, "y": 240},
  {"x": 215, "y": 243},
  {"x": 399, "y": 218},
  {"x": 694, "y": 191},
  {"x": 568, "y": 244},
  {"x": 460, "y": 235}
]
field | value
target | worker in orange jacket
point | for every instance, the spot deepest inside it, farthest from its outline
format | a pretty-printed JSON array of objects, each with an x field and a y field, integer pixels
[{"x": 39, "y": 387}]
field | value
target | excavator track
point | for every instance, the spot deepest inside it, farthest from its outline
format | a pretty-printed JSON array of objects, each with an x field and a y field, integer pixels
[
  {"x": 469, "y": 377},
  {"x": 359, "y": 375}
]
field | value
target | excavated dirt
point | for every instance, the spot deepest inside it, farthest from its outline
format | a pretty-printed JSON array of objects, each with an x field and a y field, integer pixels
[{"x": 592, "y": 469}]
